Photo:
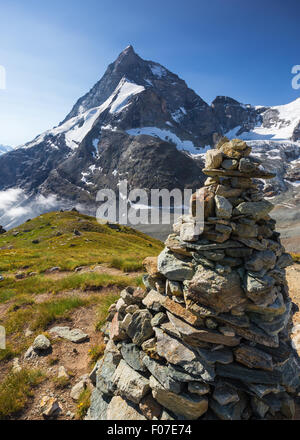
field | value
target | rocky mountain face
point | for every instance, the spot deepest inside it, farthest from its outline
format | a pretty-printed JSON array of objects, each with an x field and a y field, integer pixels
[{"x": 142, "y": 123}]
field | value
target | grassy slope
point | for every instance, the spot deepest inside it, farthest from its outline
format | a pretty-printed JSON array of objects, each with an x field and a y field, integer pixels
[
  {"x": 57, "y": 245},
  {"x": 97, "y": 244}
]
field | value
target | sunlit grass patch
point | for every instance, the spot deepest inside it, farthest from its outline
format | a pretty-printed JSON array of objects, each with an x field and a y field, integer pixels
[
  {"x": 61, "y": 382},
  {"x": 96, "y": 352},
  {"x": 126, "y": 265},
  {"x": 58, "y": 246},
  {"x": 83, "y": 281},
  {"x": 84, "y": 403},
  {"x": 102, "y": 310},
  {"x": 16, "y": 389},
  {"x": 296, "y": 257}
]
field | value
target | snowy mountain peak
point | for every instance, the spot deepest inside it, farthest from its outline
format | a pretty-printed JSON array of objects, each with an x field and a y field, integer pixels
[{"x": 277, "y": 123}]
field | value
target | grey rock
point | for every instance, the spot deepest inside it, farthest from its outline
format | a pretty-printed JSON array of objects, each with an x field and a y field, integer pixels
[
  {"x": 129, "y": 384},
  {"x": 174, "y": 288},
  {"x": 133, "y": 356},
  {"x": 161, "y": 373},
  {"x": 189, "y": 231},
  {"x": 122, "y": 409},
  {"x": 213, "y": 159},
  {"x": 235, "y": 371},
  {"x": 261, "y": 260},
  {"x": 239, "y": 252},
  {"x": 262, "y": 390},
  {"x": 121, "y": 306},
  {"x": 230, "y": 164},
  {"x": 274, "y": 326},
  {"x": 284, "y": 261},
  {"x": 41, "y": 343},
  {"x": 273, "y": 401},
  {"x": 246, "y": 165},
  {"x": 149, "y": 344},
  {"x": 244, "y": 230},
  {"x": 211, "y": 357},
  {"x": 153, "y": 301},
  {"x": 93, "y": 373},
  {"x": 255, "y": 287},
  {"x": 99, "y": 405},
  {"x": 191, "y": 407},
  {"x": 214, "y": 255},
  {"x": 51, "y": 407},
  {"x": 132, "y": 308},
  {"x": 73, "y": 335},
  {"x": 107, "y": 367},
  {"x": 180, "y": 355},
  {"x": 221, "y": 292},
  {"x": 252, "y": 357},
  {"x": 158, "y": 319},
  {"x": 289, "y": 374},
  {"x": 198, "y": 388},
  {"x": 79, "y": 388},
  {"x": 223, "y": 207},
  {"x": 256, "y": 210},
  {"x": 196, "y": 337},
  {"x": 140, "y": 329},
  {"x": 62, "y": 373},
  {"x": 124, "y": 324},
  {"x": 224, "y": 393},
  {"x": 127, "y": 296},
  {"x": 30, "y": 353},
  {"x": 173, "y": 268},
  {"x": 232, "y": 411}
]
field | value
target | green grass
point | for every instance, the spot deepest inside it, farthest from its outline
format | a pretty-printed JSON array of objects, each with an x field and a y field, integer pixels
[
  {"x": 102, "y": 310},
  {"x": 96, "y": 352},
  {"x": 97, "y": 244},
  {"x": 296, "y": 257},
  {"x": 41, "y": 284},
  {"x": 126, "y": 265},
  {"x": 57, "y": 245},
  {"x": 16, "y": 389},
  {"x": 61, "y": 382},
  {"x": 83, "y": 404}
]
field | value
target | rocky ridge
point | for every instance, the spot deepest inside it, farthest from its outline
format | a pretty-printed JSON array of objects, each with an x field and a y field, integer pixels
[{"x": 209, "y": 337}]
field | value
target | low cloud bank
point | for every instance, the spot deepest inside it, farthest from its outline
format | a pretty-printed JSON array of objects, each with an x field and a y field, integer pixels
[{"x": 16, "y": 206}]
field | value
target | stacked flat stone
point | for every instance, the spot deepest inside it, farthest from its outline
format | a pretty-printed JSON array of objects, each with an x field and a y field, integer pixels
[{"x": 209, "y": 337}]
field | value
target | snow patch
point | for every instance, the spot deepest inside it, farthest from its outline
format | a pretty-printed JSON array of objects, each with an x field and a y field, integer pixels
[
  {"x": 158, "y": 70},
  {"x": 123, "y": 93},
  {"x": 5, "y": 149},
  {"x": 166, "y": 135}
]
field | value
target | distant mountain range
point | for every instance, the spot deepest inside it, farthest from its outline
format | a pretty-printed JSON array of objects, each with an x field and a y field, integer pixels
[{"x": 142, "y": 123}]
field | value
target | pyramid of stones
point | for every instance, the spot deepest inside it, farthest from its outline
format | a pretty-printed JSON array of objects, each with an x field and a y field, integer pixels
[{"x": 209, "y": 336}]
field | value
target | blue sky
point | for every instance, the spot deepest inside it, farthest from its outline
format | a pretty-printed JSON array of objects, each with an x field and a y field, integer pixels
[{"x": 54, "y": 51}]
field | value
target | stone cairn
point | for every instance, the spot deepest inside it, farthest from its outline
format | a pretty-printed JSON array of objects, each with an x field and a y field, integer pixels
[{"x": 209, "y": 337}]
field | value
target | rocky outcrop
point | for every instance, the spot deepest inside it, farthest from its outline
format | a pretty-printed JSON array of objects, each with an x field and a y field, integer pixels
[{"x": 209, "y": 338}]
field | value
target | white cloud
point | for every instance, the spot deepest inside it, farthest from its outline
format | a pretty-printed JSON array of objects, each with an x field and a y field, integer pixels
[
  {"x": 9, "y": 197},
  {"x": 17, "y": 211},
  {"x": 16, "y": 207}
]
